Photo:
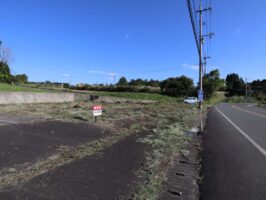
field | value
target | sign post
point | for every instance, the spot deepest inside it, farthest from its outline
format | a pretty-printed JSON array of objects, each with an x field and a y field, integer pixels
[
  {"x": 200, "y": 95},
  {"x": 200, "y": 99},
  {"x": 96, "y": 111}
]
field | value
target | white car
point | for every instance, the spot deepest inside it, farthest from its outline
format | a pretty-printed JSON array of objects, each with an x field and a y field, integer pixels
[{"x": 191, "y": 100}]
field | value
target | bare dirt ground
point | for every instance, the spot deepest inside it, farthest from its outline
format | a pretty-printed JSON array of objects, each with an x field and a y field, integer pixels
[
  {"x": 24, "y": 143},
  {"x": 58, "y": 152},
  {"x": 108, "y": 175}
]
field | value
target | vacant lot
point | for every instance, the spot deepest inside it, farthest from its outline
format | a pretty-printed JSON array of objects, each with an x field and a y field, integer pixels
[{"x": 58, "y": 152}]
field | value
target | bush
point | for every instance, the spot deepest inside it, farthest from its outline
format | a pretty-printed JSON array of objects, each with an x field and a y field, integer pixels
[{"x": 178, "y": 87}]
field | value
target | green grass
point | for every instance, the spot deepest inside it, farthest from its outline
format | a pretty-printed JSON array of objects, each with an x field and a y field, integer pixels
[
  {"x": 13, "y": 88},
  {"x": 129, "y": 95},
  {"x": 221, "y": 97},
  {"x": 216, "y": 98},
  {"x": 137, "y": 95},
  {"x": 241, "y": 99}
]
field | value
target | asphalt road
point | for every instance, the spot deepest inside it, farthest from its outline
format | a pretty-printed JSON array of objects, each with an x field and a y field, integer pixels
[
  {"x": 108, "y": 174},
  {"x": 234, "y": 153}
]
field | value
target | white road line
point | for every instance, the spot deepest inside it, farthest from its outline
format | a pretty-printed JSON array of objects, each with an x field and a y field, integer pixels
[{"x": 256, "y": 145}]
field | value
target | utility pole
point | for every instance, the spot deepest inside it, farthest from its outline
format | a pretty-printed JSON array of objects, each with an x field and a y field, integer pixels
[
  {"x": 200, "y": 54},
  {"x": 199, "y": 42},
  {"x": 246, "y": 96}
]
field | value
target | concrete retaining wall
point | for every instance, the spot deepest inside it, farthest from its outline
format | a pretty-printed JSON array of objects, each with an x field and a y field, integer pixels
[
  {"x": 34, "y": 97},
  {"x": 45, "y": 97}
]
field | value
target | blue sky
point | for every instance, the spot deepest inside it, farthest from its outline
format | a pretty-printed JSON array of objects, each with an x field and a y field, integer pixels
[{"x": 89, "y": 40}]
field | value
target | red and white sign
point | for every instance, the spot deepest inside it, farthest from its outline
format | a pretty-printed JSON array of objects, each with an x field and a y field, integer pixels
[
  {"x": 97, "y": 107},
  {"x": 97, "y": 110}
]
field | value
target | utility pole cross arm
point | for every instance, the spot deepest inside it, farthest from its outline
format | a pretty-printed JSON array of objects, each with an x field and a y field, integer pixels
[{"x": 204, "y": 10}]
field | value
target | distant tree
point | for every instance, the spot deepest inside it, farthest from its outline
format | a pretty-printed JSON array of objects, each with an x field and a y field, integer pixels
[
  {"x": 5, "y": 75},
  {"x": 21, "y": 78},
  {"x": 258, "y": 86},
  {"x": 179, "y": 86},
  {"x": 137, "y": 82},
  {"x": 167, "y": 84},
  {"x": 235, "y": 85},
  {"x": 4, "y": 68},
  {"x": 5, "y": 54},
  {"x": 5, "y": 57},
  {"x": 66, "y": 85},
  {"x": 122, "y": 81},
  {"x": 153, "y": 83},
  {"x": 212, "y": 83},
  {"x": 48, "y": 83}
]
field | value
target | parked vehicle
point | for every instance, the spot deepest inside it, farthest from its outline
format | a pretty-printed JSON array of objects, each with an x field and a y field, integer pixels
[{"x": 191, "y": 100}]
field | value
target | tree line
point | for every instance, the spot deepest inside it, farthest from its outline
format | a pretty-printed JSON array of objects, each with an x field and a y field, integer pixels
[
  {"x": 7, "y": 77},
  {"x": 138, "y": 82},
  {"x": 232, "y": 85},
  {"x": 236, "y": 86},
  {"x": 258, "y": 89},
  {"x": 179, "y": 86},
  {"x": 5, "y": 74}
]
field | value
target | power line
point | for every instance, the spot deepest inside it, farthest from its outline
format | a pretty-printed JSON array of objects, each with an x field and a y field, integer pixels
[
  {"x": 194, "y": 7},
  {"x": 200, "y": 45},
  {"x": 193, "y": 25}
]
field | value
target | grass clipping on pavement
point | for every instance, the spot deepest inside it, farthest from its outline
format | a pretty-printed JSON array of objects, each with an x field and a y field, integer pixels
[
  {"x": 166, "y": 143},
  {"x": 64, "y": 155}
]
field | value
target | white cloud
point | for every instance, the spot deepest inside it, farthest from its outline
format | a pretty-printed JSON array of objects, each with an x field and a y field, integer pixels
[
  {"x": 194, "y": 67},
  {"x": 190, "y": 67},
  {"x": 66, "y": 75},
  {"x": 102, "y": 72}
]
